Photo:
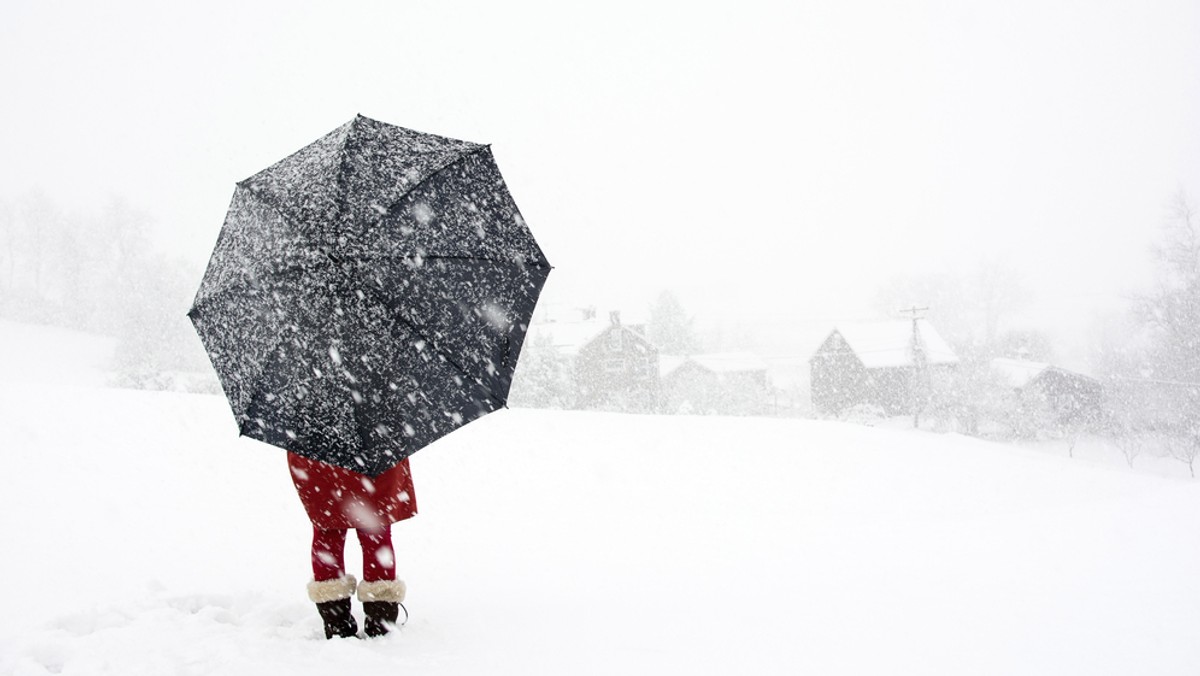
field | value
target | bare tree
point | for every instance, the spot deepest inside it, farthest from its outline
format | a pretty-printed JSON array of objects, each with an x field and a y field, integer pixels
[
  {"x": 943, "y": 293},
  {"x": 1180, "y": 248},
  {"x": 544, "y": 377},
  {"x": 1173, "y": 308},
  {"x": 40, "y": 220},
  {"x": 1186, "y": 449},
  {"x": 670, "y": 327},
  {"x": 1000, "y": 291},
  {"x": 968, "y": 309},
  {"x": 154, "y": 337},
  {"x": 1131, "y": 444}
]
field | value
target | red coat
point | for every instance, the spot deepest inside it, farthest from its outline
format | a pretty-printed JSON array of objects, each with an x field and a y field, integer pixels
[{"x": 338, "y": 498}]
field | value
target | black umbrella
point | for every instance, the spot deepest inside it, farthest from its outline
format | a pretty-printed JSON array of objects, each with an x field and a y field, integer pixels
[{"x": 369, "y": 294}]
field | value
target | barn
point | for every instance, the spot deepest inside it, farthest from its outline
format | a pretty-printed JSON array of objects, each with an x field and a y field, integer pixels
[
  {"x": 613, "y": 366},
  {"x": 725, "y": 383},
  {"x": 1072, "y": 398},
  {"x": 886, "y": 364}
]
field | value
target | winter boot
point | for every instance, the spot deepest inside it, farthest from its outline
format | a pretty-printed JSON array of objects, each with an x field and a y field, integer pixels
[
  {"x": 381, "y": 604},
  {"x": 333, "y": 603}
]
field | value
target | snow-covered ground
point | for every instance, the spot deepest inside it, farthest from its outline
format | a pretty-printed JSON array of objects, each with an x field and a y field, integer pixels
[
  {"x": 144, "y": 537},
  {"x": 46, "y": 354}
]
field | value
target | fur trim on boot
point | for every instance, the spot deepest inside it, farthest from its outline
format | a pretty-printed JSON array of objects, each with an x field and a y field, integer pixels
[
  {"x": 381, "y": 604},
  {"x": 332, "y": 590},
  {"x": 392, "y": 591}
]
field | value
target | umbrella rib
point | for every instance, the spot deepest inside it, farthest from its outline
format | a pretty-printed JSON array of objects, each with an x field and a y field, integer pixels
[
  {"x": 421, "y": 333},
  {"x": 478, "y": 149},
  {"x": 272, "y": 358},
  {"x": 364, "y": 256},
  {"x": 538, "y": 264},
  {"x": 211, "y": 299}
]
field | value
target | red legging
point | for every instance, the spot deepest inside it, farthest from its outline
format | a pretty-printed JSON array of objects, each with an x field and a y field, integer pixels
[{"x": 329, "y": 554}]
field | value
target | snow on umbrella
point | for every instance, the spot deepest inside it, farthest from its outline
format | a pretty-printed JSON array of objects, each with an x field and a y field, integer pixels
[{"x": 368, "y": 295}]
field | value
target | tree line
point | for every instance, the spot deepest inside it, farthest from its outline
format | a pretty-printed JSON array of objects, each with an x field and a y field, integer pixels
[{"x": 98, "y": 271}]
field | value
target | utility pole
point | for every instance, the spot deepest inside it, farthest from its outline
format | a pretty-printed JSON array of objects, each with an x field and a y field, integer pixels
[{"x": 920, "y": 363}]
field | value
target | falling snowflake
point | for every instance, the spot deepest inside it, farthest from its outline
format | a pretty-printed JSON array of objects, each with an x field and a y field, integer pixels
[{"x": 423, "y": 213}]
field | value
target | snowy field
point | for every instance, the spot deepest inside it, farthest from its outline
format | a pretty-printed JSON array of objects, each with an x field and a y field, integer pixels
[{"x": 145, "y": 538}]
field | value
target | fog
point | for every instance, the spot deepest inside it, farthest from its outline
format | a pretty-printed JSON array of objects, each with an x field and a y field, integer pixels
[{"x": 776, "y": 165}]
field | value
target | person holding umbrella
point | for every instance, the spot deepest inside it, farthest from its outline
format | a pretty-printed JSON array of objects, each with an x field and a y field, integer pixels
[
  {"x": 337, "y": 500},
  {"x": 367, "y": 295}
]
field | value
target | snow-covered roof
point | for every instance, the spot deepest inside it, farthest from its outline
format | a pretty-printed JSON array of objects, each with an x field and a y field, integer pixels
[
  {"x": 715, "y": 362},
  {"x": 667, "y": 363},
  {"x": 569, "y": 337},
  {"x": 889, "y": 344},
  {"x": 1017, "y": 372},
  {"x": 730, "y": 362},
  {"x": 1020, "y": 372}
]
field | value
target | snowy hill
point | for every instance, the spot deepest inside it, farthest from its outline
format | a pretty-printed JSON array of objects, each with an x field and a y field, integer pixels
[
  {"x": 32, "y": 353},
  {"x": 145, "y": 538},
  {"x": 149, "y": 540}
]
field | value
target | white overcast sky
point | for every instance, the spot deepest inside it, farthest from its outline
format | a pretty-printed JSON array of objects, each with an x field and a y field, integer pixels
[{"x": 769, "y": 161}]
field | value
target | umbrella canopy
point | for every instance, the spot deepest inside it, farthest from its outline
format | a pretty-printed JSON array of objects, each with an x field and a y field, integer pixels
[{"x": 369, "y": 294}]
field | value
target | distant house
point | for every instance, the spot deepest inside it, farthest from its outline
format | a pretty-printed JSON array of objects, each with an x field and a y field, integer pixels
[
  {"x": 884, "y": 364},
  {"x": 727, "y": 383},
  {"x": 613, "y": 366},
  {"x": 1071, "y": 397}
]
